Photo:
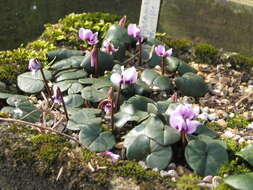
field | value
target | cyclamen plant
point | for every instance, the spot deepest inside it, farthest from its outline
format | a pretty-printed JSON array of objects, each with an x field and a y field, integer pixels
[
  {"x": 135, "y": 31},
  {"x": 160, "y": 51},
  {"x": 128, "y": 76},
  {"x": 183, "y": 118}
]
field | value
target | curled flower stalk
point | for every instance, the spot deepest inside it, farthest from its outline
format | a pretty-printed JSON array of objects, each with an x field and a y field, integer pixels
[
  {"x": 34, "y": 66},
  {"x": 108, "y": 106},
  {"x": 161, "y": 52},
  {"x": 58, "y": 99}
]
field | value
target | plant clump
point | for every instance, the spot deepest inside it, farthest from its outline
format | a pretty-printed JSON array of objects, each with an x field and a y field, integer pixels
[{"x": 206, "y": 53}]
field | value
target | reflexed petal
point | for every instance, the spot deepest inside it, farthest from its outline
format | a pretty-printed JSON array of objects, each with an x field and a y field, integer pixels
[
  {"x": 130, "y": 75},
  {"x": 107, "y": 108},
  {"x": 133, "y": 30},
  {"x": 122, "y": 21},
  {"x": 177, "y": 122},
  {"x": 93, "y": 39},
  {"x": 168, "y": 52},
  {"x": 116, "y": 79},
  {"x": 159, "y": 50},
  {"x": 57, "y": 96},
  {"x": 113, "y": 156},
  {"x": 191, "y": 126},
  {"x": 34, "y": 65},
  {"x": 85, "y": 34}
]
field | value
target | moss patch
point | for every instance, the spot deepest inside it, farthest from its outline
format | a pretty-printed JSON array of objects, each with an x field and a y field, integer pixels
[
  {"x": 188, "y": 182},
  {"x": 238, "y": 122},
  {"x": 206, "y": 53}
]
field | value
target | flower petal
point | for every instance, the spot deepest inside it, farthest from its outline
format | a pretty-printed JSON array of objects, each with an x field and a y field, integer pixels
[
  {"x": 85, "y": 34},
  {"x": 168, "y": 52},
  {"x": 191, "y": 126},
  {"x": 159, "y": 50},
  {"x": 130, "y": 75},
  {"x": 116, "y": 79},
  {"x": 177, "y": 122},
  {"x": 133, "y": 30}
]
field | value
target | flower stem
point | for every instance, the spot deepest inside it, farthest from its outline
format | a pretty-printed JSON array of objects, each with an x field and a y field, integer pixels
[
  {"x": 97, "y": 63},
  {"x": 64, "y": 107},
  {"x": 163, "y": 67},
  {"x": 46, "y": 85},
  {"x": 140, "y": 50},
  {"x": 117, "y": 98},
  {"x": 112, "y": 108}
]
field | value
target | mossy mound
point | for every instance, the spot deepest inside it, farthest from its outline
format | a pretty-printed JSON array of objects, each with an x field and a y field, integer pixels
[
  {"x": 63, "y": 34},
  {"x": 34, "y": 160}
]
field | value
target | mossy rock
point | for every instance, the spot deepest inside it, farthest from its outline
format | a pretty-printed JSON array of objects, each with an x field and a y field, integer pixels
[{"x": 206, "y": 53}]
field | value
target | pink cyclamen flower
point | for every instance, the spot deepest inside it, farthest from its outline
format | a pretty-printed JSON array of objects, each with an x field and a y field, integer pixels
[
  {"x": 34, "y": 65},
  {"x": 183, "y": 119},
  {"x": 57, "y": 96},
  {"x": 108, "y": 108},
  {"x": 134, "y": 30},
  {"x": 160, "y": 51},
  {"x": 108, "y": 47},
  {"x": 128, "y": 76},
  {"x": 88, "y": 35},
  {"x": 122, "y": 21},
  {"x": 114, "y": 157}
]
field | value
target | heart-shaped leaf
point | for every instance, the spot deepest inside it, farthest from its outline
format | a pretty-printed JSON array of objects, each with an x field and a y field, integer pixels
[
  {"x": 71, "y": 75},
  {"x": 73, "y": 100},
  {"x": 92, "y": 94},
  {"x": 247, "y": 154},
  {"x": 84, "y": 116},
  {"x": 75, "y": 88},
  {"x": 60, "y": 54},
  {"x": 74, "y": 61},
  {"x": 205, "y": 158},
  {"x": 242, "y": 181},
  {"x": 92, "y": 137},
  {"x": 32, "y": 84},
  {"x": 191, "y": 84}
]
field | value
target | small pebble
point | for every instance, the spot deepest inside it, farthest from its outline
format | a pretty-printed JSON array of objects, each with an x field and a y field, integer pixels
[
  {"x": 229, "y": 134},
  {"x": 208, "y": 179},
  {"x": 172, "y": 166},
  {"x": 216, "y": 181},
  {"x": 173, "y": 173},
  {"x": 241, "y": 140},
  {"x": 180, "y": 170},
  {"x": 213, "y": 116}
]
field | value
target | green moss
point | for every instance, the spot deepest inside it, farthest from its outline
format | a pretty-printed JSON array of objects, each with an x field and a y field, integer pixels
[
  {"x": 234, "y": 167},
  {"x": 65, "y": 32},
  {"x": 188, "y": 182},
  {"x": 133, "y": 169},
  {"x": 242, "y": 62},
  {"x": 238, "y": 122},
  {"x": 223, "y": 186},
  {"x": 48, "y": 147},
  {"x": 206, "y": 53},
  {"x": 214, "y": 125}
]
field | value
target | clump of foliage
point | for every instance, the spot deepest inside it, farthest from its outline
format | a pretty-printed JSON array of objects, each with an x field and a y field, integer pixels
[
  {"x": 48, "y": 147},
  {"x": 206, "y": 53},
  {"x": 239, "y": 61},
  {"x": 238, "y": 122},
  {"x": 64, "y": 33},
  {"x": 188, "y": 182}
]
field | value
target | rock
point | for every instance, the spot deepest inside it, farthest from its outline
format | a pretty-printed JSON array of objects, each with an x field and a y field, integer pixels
[
  {"x": 180, "y": 170},
  {"x": 241, "y": 140},
  {"x": 173, "y": 173},
  {"x": 216, "y": 181},
  {"x": 208, "y": 179},
  {"x": 172, "y": 166},
  {"x": 213, "y": 116},
  {"x": 229, "y": 134},
  {"x": 203, "y": 116}
]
